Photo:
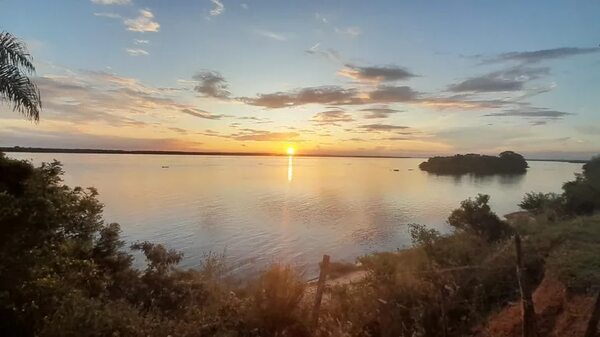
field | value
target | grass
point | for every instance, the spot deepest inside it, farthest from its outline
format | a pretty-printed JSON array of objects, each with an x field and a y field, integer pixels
[{"x": 570, "y": 247}]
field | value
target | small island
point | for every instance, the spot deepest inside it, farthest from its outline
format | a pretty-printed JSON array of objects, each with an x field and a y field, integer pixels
[{"x": 507, "y": 162}]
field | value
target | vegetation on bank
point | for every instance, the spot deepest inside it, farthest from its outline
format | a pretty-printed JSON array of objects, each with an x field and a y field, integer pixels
[
  {"x": 507, "y": 162},
  {"x": 67, "y": 273}
]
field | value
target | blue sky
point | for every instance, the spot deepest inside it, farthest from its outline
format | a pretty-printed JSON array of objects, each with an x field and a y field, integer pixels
[{"x": 344, "y": 77}]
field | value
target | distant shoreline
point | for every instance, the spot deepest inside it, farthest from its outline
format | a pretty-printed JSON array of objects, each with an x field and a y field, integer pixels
[
  {"x": 206, "y": 153},
  {"x": 184, "y": 153}
]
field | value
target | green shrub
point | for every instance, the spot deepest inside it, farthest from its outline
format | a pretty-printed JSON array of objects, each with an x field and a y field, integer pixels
[
  {"x": 582, "y": 196},
  {"x": 475, "y": 216},
  {"x": 276, "y": 299}
]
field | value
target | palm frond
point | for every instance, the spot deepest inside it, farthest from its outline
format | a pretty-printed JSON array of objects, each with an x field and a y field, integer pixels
[
  {"x": 19, "y": 90},
  {"x": 13, "y": 51},
  {"x": 15, "y": 86}
]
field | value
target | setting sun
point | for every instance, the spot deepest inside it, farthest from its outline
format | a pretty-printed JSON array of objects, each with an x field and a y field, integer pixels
[{"x": 291, "y": 151}]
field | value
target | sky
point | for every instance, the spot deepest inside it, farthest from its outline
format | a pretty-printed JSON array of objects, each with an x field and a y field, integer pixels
[{"x": 345, "y": 77}]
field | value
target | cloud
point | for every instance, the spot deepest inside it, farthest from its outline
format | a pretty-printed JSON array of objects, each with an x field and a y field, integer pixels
[
  {"x": 244, "y": 5},
  {"x": 108, "y": 15},
  {"x": 349, "y": 31},
  {"x": 257, "y": 120},
  {"x": 322, "y": 95},
  {"x": 398, "y": 138},
  {"x": 382, "y": 127},
  {"x": 84, "y": 97},
  {"x": 70, "y": 138},
  {"x": 330, "y": 54},
  {"x": 530, "y": 112},
  {"x": 136, "y": 52},
  {"x": 200, "y": 113},
  {"x": 179, "y": 130},
  {"x": 375, "y": 74},
  {"x": 211, "y": 84},
  {"x": 319, "y": 17},
  {"x": 512, "y": 79},
  {"x": 138, "y": 41},
  {"x": 143, "y": 23},
  {"x": 264, "y": 136},
  {"x": 375, "y": 113},
  {"x": 332, "y": 95},
  {"x": 271, "y": 35},
  {"x": 541, "y": 55},
  {"x": 332, "y": 117},
  {"x": 218, "y": 8},
  {"x": 390, "y": 94},
  {"x": 112, "y": 2}
]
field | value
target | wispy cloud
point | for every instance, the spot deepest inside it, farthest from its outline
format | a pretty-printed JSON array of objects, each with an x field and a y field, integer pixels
[
  {"x": 95, "y": 96},
  {"x": 138, "y": 41},
  {"x": 136, "y": 52},
  {"x": 530, "y": 112},
  {"x": 375, "y": 74},
  {"x": 333, "y": 95},
  {"x": 382, "y": 127},
  {"x": 218, "y": 8},
  {"x": 108, "y": 15},
  {"x": 377, "y": 113},
  {"x": 321, "y": 18},
  {"x": 349, "y": 31},
  {"x": 143, "y": 23},
  {"x": 264, "y": 136},
  {"x": 112, "y": 2},
  {"x": 271, "y": 35},
  {"x": 541, "y": 55},
  {"x": 200, "y": 113},
  {"x": 330, "y": 54},
  {"x": 512, "y": 79},
  {"x": 332, "y": 117}
]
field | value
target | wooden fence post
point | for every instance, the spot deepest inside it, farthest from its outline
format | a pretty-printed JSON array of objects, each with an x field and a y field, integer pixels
[
  {"x": 443, "y": 308},
  {"x": 592, "y": 328},
  {"x": 527, "y": 307},
  {"x": 319, "y": 292}
]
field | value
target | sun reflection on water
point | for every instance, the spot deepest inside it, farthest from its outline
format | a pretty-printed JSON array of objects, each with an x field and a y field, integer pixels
[{"x": 290, "y": 168}]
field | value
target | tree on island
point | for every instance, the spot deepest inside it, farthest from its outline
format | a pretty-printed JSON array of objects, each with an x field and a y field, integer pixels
[
  {"x": 15, "y": 86},
  {"x": 507, "y": 162}
]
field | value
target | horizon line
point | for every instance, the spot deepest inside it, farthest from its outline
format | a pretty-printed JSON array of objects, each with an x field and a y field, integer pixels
[{"x": 222, "y": 153}]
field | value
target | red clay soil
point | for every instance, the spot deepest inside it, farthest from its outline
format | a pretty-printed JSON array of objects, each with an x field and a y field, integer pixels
[{"x": 558, "y": 314}]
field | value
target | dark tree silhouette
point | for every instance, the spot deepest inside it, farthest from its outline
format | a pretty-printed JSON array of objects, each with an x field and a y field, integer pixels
[
  {"x": 507, "y": 162},
  {"x": 15, "y": 85}
]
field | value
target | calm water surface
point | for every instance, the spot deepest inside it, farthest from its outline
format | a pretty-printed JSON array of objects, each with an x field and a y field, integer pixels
[{"x": 260, "y": 210}]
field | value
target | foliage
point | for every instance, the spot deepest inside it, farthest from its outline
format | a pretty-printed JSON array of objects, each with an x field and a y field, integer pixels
[
  {"x": 66, "y": 273},
  {"x": 15, "y": 85},
  {"x": 570, "y": 248},
  {"x": 475, "y": 216},
  {"x": 406, "y": 292},
  {"x": 549, "y": 204},
  {"x": 507, "y": 162},
  {"x": 582, "y": 196},
  {"x": 276, "y": 299}
]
